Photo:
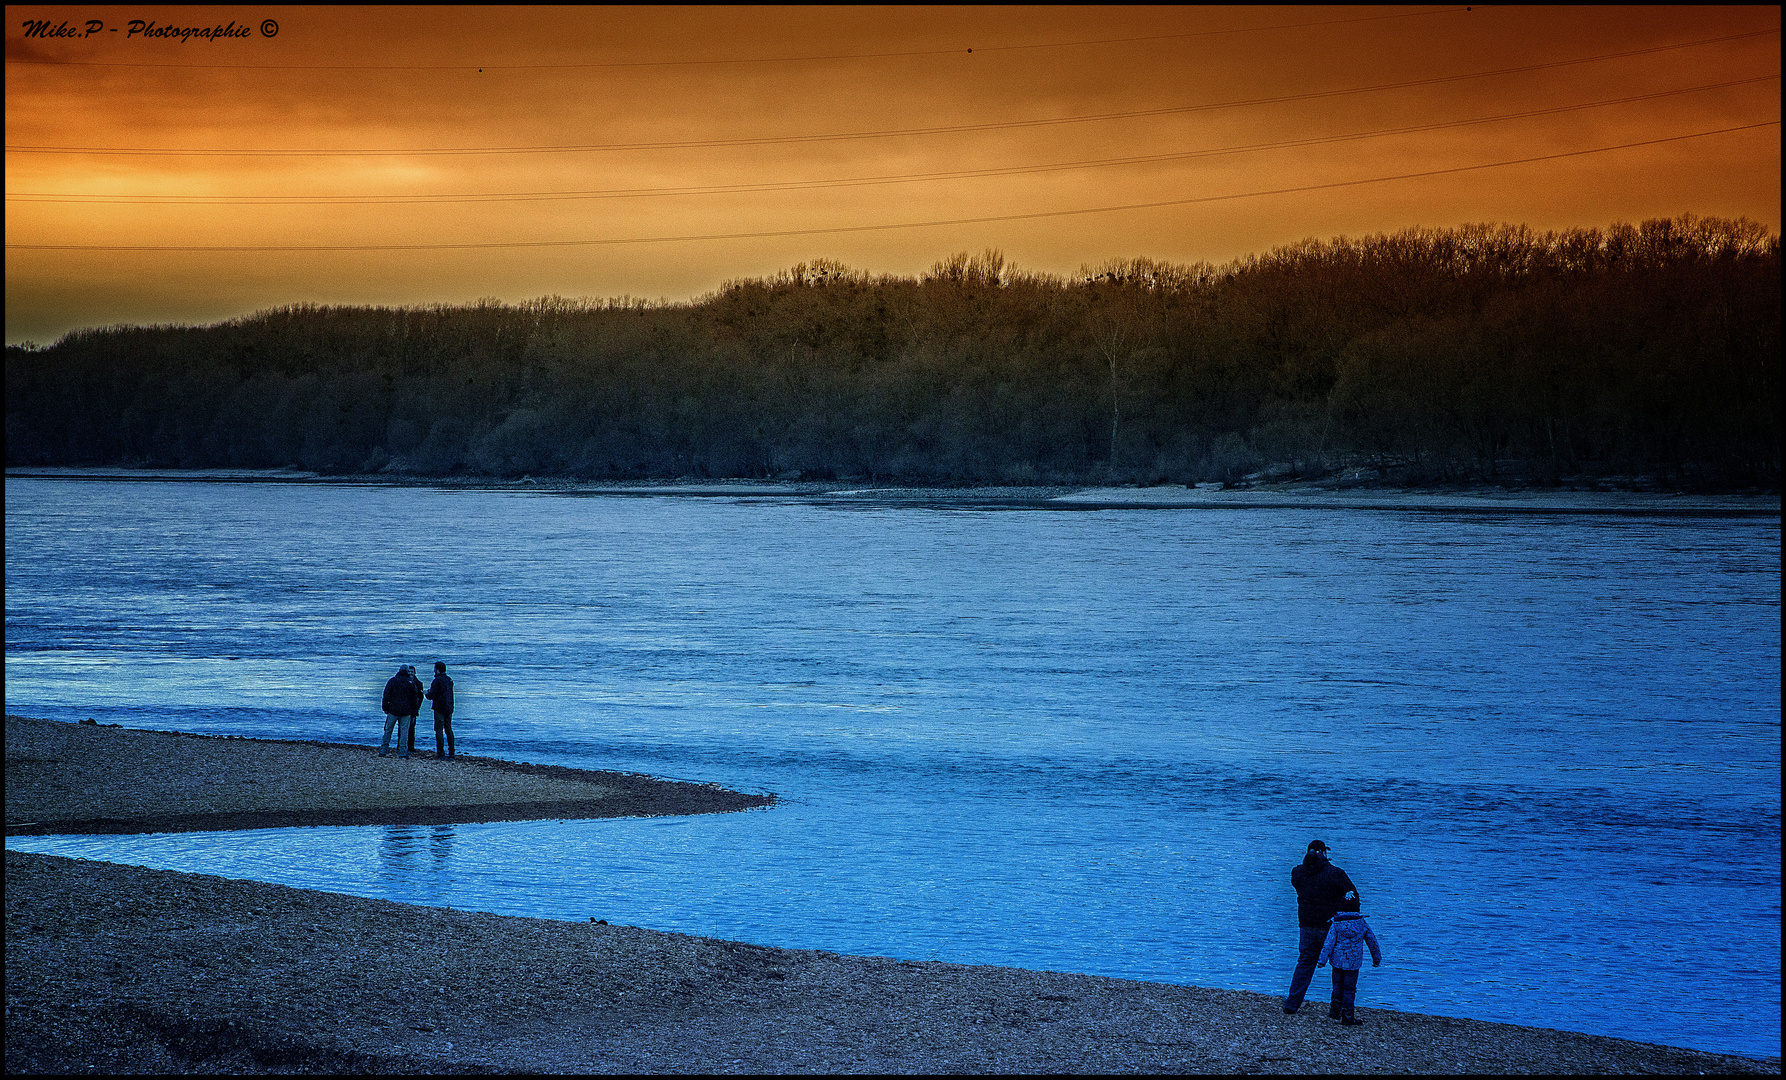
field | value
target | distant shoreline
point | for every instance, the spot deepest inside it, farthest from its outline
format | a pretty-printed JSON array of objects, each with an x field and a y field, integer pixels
[{"x": 1308, "y": 494}]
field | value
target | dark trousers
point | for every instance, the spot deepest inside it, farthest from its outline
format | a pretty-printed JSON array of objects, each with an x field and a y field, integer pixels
[
  {"x": 411, "y": 726},
  {"x": 1345, "y": 991},
  {"x": 443, "y": 722},
  {"x": 1308, "y": 950}
]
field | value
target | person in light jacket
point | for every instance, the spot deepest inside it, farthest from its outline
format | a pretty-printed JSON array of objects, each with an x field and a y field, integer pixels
[{"x": 1344, "y": 949}]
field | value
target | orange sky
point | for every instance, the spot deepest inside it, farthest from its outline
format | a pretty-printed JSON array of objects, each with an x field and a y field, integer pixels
[{"x": 622, "y": 84}]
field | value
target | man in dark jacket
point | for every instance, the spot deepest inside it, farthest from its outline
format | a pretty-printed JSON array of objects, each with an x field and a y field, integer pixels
[
  {"x": 1320, "y": 889},
  {"x": 440, "y": 692},
  {"x": 400, "y": 705}
]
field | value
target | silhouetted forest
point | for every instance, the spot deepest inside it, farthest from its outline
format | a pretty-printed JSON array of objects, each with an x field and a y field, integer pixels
[{"x": 1487, "y": 353}]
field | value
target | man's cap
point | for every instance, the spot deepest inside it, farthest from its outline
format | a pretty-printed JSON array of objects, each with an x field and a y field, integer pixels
[{"x": 1316, "y": 845}]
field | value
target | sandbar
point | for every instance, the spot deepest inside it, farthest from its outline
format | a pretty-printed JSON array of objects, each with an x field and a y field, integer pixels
[{"x": 80, "y": 778}]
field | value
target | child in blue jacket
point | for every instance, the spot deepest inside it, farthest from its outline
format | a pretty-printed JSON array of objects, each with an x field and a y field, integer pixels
[{"x": 1345, "y": 948}]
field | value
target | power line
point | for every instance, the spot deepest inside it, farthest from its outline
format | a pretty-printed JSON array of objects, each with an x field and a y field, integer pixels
[
  {"x": 956, "y": 51},
  {"x": 890, "y": 226},
  {"x": 811, "y": 185},
  {"x": 877, "y": 134}
]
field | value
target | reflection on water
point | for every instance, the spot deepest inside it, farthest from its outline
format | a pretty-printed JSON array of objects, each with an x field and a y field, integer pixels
[
  {"x": 404, "y": 846},
  {"x": 415, "y": 864},
  {"x": 1091, "y": 741},
  {"x": 440, "y": 842}
]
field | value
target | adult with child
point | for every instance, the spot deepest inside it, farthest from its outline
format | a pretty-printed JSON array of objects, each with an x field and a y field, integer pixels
[
  {"x": 440, "y": 692},
  {"x": 402, "y": 700},
  {"x": 1321, "y": 888},
  {"x": 1344, "y": 948}
]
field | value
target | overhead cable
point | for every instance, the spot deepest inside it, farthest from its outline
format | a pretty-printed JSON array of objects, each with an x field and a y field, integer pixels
[
  {"x": 840, "y": 182},
  {"x": 875, "y": 134},
  {"x": 834, "y": 230}
]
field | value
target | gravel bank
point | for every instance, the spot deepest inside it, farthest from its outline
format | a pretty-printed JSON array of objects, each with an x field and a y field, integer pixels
[
  {"x": 79, "y": 778},
  {"x": 120, "y": 969},
  {"x": 114, "y": 968}
]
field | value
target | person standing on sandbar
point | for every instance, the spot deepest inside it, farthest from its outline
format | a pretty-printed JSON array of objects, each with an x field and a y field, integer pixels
[
  {"x": 1321, "y": 888},
  {"x": 400, "y": 704},
  {"x": 415, "y": 695},
  {"x": 440, "y": 692}
]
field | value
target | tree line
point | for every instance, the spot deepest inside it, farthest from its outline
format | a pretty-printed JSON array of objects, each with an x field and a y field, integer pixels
[{"x": 1482, "y": 353}]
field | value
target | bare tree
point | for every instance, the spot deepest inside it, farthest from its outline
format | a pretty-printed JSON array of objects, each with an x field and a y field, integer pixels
[{"x": 1113, "y": 344}]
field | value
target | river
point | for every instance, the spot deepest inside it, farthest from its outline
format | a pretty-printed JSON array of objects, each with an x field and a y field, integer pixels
[{"x": 1084, "y": 738}]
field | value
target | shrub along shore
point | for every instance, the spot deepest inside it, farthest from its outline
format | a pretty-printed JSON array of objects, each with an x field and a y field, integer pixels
[{"x": 113, "y": 968}]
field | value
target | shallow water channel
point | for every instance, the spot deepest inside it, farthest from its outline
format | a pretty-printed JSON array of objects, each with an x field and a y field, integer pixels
[{"x": 1544, "y": 744}]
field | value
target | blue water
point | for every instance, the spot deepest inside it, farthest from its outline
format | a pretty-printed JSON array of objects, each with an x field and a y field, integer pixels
[{"x": 1545, "y": 745}]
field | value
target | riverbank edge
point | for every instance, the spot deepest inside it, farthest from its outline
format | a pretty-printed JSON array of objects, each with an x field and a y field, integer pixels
[{"x": 116, "y": 968}]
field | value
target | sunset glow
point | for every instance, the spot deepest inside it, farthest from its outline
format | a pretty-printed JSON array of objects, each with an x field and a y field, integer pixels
[{"x": 416, "y": 155}]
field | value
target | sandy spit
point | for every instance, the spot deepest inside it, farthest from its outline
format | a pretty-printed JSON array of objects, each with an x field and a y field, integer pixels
[{"x": 79, "y": 778}]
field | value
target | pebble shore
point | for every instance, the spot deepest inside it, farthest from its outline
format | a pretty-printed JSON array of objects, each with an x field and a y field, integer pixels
[
  {"x": 81, "y": 778},
  {"x": 113, "y": 968}
]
